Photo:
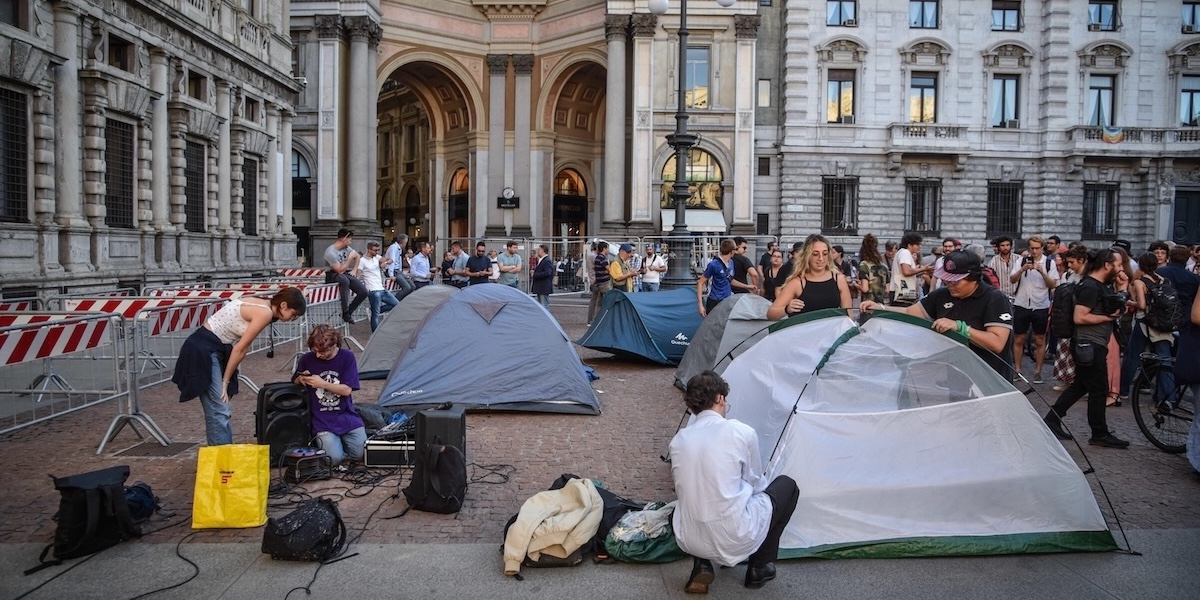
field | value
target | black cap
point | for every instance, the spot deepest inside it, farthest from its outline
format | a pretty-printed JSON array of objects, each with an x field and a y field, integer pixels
[{"x": 957, "y": 265}]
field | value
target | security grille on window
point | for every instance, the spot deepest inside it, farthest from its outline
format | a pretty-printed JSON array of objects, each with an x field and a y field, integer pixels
[
  {"x": 14, "y": 156},
  {"x": 1004, "y": 208},
  {"x": 922, "y": 205},
  {"x": 841, "y": 12},
  {"x": 1006, "y": 15},
  {"x": 194, "y": 187},
  {"x": 1099, "y": 210},
  {"x": 839, "y": 204},
  {"x": 118, "y": 173},
  {"x": 250, "y": 196},
  {"x": 923, "y": 14},
  {"x": 1103, "y": 15}
]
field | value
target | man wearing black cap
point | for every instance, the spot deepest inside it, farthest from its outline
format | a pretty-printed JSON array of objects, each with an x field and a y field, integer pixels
[{"x": 979, "y": 312}]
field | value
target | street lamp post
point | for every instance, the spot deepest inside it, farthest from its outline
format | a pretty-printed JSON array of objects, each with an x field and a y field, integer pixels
[{"x": 680, "y": 272}]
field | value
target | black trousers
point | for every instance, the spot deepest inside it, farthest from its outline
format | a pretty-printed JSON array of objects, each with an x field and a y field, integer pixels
[
  {"x": 348, "y": 283},
  {"x": 783, "y": 494},
  {"x": 1090, "y": 379}
]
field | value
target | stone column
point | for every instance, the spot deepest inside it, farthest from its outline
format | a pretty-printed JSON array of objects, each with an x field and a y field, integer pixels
[
  {"x": 327, "y": 208},
  {"x": 616, "y": 29},
  {"x": 160, "y": 143},
  {"x": 745, "y": 92},
  {"x": 74, "y": 240},
  {"x": 644, "y": 195},
  {"x": 285, "y": 144},
  {"x": 488, "y": 217},
  {"x": 360, "y": 188},
  {"x": 224, "y": 172},
  {"x": 274, "y": 186},
  {"x": 526, "y": 188}
]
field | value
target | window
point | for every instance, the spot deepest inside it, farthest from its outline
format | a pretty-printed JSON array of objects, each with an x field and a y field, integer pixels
[
  {"x": 12, "y": 12},
  {"x": 118, "y": 173},
  {"x": 764, "y": 93},
  {"x": 923, "y": 14},
  {"x": 839, "y": 204},
  {"x": 248, "y": 6},
  {"x": 762, "y": 224},
  {"x": 194, "y": 192},
  {"x": 250, "y": 196},
  {"x": 1099, "y": 210},
  {"x": 252, "y": 110},
  {"x": 764, "y": 166},
  {"x": 764, "y": 2},
  {"x": 922, "y": 205},
  {"x": 14, "y": 156},
  {"x": 839, "y": 96},
  {"x": 410, "y": 148},
  {"x": 1191, "y": 17},
  {"x": 198, "y": 86},
  {"x": 1102, "y": 15},
  {"x": 1005, "y": 100},
  {"x": 841, "y": 12},
  {"x": 1189, "y": 101},
  {"x": 1004, "y": 208},
  {"x": 922, "y": 98},
  {"x": 1006, "y": 15},
  {"x": 1101, "y": 89},
  {"x": 120, "y": 53},
  {"x": 695, "y": 83},
  {"x": 704, "y": 178}
]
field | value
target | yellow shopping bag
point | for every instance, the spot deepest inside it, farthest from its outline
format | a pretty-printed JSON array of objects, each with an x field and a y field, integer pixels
[{"x": 231, "y": 486}]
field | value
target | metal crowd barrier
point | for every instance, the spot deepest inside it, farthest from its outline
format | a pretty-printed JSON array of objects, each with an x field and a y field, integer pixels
[
  {"x": 58, "y": 303},
  {"x": 20, "y": 305},
  {"x": 86, "y": 343}
]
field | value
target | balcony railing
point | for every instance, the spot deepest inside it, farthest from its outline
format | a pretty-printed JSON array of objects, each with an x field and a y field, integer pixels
[
  {"x": 1122, "y": 140},
  {"x": 928, "y": 137}
]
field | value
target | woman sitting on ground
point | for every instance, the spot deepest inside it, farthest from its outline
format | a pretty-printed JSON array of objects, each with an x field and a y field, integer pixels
[
  {"x": 813, "y": 284},
  {"x": 209, "y": 359},
  {"x": 330, "y": 373}
]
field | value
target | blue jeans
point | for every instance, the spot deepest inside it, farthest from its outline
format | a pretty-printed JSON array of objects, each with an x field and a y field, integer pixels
[
  {"x": 340, "y": 447},
  {"x": 544, "y": 300},
  {"x": 649, "y": 287},
  {"x": 378, "y": 298},
  {"x": 404, "y": 286},
  {"x": 217, "y": 430}
]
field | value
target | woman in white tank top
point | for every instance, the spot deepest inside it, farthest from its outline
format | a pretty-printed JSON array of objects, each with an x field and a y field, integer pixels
[{"x": 209, "y": 359}]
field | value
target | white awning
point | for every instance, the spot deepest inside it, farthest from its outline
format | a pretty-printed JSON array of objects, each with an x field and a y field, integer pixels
[{"x": 700, "y": 221}]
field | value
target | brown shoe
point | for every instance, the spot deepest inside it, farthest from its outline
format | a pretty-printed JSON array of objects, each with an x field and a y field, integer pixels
[{"x": 702, "y": 575}]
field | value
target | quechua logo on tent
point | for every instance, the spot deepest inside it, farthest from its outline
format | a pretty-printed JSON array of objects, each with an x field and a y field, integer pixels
[{"x": 680, "y": 340}]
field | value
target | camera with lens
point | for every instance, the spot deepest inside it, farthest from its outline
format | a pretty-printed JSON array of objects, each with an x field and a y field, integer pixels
[{"x": 1111, "y": 303}]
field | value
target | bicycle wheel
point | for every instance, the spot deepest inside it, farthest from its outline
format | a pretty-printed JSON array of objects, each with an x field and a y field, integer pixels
[{"x": 1166, "y": 427}]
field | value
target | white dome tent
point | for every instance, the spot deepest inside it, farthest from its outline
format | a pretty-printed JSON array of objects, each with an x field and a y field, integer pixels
[{"x": 904, "y": 443}]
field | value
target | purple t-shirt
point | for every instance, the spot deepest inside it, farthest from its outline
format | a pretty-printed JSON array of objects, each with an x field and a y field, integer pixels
[{"x": 331, "y": 412}]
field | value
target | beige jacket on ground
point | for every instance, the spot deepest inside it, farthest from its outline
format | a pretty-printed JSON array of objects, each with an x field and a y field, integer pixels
[{"x": 554, "y": 522}]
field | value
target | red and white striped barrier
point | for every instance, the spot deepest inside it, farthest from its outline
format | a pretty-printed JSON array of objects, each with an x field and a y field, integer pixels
[
  {"x": 19, "y": 305},
  {"x": 128, "y": 306},
  {"x": 317, "y": 294},
  {"x": 199, "y": 293},
  {"x": 306, "y": 273},
  {"x": 36, "y": 340},
  {"x": 10, "y": 319},
  {"x": 181, "y": 318}
]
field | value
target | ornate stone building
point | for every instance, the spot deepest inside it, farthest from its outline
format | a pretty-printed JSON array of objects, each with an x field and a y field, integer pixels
[
  {"x": 975, "y": 118},
  {"x": 566, "y": 102},
  {"x": 143, "y": 141}
]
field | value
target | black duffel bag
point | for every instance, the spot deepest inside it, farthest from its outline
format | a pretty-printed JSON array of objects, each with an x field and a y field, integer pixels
[{"x": 315, "y": 532}]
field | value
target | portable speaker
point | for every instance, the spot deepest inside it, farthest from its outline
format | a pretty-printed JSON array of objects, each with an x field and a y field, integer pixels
[
  {"x": 447, "y": 426},
  {"x": 282, "y": 420}
]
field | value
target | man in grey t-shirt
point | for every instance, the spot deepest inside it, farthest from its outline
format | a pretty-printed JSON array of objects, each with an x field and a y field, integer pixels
[{"x": 341, "y": 260}]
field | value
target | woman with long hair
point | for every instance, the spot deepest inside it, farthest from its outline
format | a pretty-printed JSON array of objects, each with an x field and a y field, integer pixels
[
  {"x": 774, "y": 276},
  {"x": 1143, "y": 335},
  {"x": 873, "y": 271},
  {"x": 813, "y": 284},
  {"x": 208, "y": 360},
  {"x": 1121, "y": 328}
]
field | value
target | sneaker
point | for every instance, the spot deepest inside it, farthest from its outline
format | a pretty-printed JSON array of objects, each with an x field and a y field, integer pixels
[
  {"x": 1037, "y": 379},
  {"x": 1108, "y": 440}
]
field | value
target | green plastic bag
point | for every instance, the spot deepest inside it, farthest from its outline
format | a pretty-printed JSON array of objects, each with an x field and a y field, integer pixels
[{"x": 645, "y": 536}]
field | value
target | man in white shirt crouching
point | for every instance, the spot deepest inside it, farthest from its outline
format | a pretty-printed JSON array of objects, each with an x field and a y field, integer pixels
[{"x": 746, "y": 517}]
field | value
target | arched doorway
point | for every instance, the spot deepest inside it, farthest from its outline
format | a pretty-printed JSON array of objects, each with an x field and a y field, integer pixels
[
  {"x": 570, "y": 204},
  {"x": 458, "y": 201},
  {"x": 301, "y": 204}
]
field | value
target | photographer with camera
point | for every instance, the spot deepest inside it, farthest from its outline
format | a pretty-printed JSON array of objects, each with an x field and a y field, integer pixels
[{"x": 1096, "y": 308}]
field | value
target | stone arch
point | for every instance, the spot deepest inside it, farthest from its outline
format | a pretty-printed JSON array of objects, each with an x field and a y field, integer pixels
[
  {"x": 1185, "y": 57},
  {"x": 560, "y": 77},
  {"x": 926, "y": 52},
  {"x": 842, "y": 49},
  {"x": 455, "y": 78},
  {"x": 1008, "y": 54},
  {"x": 1105, "y": 54}
]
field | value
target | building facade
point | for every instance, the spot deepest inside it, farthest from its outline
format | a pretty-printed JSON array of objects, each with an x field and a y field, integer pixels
[
  {"x": 977, "y": 118},
  {"x": 143, "y": 142},
  {"x": 565, "y": 102}
]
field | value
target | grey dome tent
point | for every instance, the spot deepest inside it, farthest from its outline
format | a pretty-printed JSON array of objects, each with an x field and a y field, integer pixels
[
  {"x": 724, "y": 334},
  {"x": 489, "y": 347},
  {"x": 397, "y": 328},
  {"x": 906, "y": 443}
]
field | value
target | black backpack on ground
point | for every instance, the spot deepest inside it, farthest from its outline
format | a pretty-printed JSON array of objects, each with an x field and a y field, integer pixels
[
  {"x": 439, "y": 480},
  {"x": 1164, "y": 309},
  {"x": 92, "y": 515},
  {"x": 1062, "y": 311},
  {"x": 315, "y": 532}
]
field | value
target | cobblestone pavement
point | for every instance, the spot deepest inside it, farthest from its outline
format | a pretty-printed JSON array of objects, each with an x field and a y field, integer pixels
[{"x": 621, "y": 447}]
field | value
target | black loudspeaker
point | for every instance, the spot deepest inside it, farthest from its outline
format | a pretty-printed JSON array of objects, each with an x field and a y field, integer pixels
[
  {"x": 447, "y": 426},
  {"x": 282, "y": 420}
]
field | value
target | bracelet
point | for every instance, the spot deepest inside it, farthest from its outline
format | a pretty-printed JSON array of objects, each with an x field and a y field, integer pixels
[{"x": 964, "y": 329}]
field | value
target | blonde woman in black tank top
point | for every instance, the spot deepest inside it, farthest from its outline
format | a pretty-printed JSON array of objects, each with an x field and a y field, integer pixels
[{"x": 813, "y": 285}]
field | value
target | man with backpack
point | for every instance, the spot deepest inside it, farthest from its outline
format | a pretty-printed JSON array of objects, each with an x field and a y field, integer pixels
[
  {"x": 1094, "y": 313},
  {"x": 1034, "y": 276}
]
